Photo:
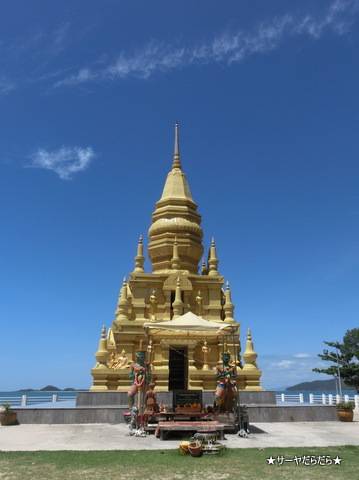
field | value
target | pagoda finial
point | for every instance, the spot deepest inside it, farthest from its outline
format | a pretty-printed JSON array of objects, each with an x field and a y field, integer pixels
[{"x": 176, "y": 158}]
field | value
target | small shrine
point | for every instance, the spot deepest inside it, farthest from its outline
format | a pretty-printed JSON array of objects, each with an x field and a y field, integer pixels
[{"x": 174, "y": 327}]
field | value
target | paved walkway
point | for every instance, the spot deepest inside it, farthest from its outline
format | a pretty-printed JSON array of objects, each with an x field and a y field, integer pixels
[{"x": 116, "y": 437}]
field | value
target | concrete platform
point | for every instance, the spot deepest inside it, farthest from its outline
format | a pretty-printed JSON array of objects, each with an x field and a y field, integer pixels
[{"x": 116, "y": 437}]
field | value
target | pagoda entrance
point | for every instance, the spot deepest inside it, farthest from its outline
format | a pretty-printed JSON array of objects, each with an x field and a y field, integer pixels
[{"x": 178, "y": 366}]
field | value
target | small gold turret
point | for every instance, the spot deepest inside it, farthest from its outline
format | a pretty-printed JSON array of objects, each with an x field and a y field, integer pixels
[
  {"x": 177, "y": 304},
  {"x": 250, "y": 368},
  {"x": 213, "y": 260},
  {"x": 122, "y": 304},
  {"x": 102, "y": 355},
  {"x": 139, "y": 258},
  {"x": 204, "y": 267},
  {"x": 228, "y": 306},
  {"x": 176, "y": 262},
  {"x": 249, "y": 355},
  {"x": 101, "y": 369}
]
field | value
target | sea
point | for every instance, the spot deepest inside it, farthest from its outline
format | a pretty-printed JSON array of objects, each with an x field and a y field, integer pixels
[{"x": 67, "y": 399}]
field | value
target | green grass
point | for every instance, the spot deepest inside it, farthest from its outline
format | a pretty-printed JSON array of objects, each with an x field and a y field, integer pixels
[{"x": 233, "y": 464}]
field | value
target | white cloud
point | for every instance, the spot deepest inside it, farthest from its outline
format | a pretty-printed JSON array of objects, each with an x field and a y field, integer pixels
[
  {"x": 60, "y": 33},
  {"x": 6, "y": 85},
  {"x": 288, "y": 370},
  {"x": 226, "y": 48},
  {"x": 283, "y": 364},
  {"x": 65, "y": 162}
]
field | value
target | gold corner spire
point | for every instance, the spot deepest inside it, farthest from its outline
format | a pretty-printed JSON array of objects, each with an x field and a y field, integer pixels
[
  {"x": 228, "y": 306},
  {"x": 213, "y": 260},
  {"x": 176, "y": 157},
  {"x": 102, "y": 355},
  {"x": 139, "y": 258}
]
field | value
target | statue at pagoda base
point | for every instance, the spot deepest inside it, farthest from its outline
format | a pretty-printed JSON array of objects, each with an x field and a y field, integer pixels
[
  {"x": 226, "y": 391},
  {"x": 138, "y": 375},
  {"x": 151, "y": 405}
]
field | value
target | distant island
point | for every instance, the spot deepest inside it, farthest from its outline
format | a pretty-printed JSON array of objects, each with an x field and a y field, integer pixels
[
  {"x": 51, "y": 388},
  {"x": 318, "y": 385}
]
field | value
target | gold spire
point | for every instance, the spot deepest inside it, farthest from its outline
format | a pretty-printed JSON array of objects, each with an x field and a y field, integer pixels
[{"x": 175, "y": 216}]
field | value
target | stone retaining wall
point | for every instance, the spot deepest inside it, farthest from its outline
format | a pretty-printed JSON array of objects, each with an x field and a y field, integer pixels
[{"x": 112, "y": 415}]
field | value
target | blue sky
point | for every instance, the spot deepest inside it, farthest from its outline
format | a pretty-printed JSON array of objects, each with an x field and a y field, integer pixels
[{"x": 267, "y": 98}]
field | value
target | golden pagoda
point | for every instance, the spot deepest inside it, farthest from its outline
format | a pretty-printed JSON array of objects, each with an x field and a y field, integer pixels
[{"x": 182, "y": 320}]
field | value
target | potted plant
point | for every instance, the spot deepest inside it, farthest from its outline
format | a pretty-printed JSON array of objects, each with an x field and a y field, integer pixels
[
  {"x": 7, "y": 415},
  {"x": 195, "y": 448},
  {"x": 346, "y": 411}
]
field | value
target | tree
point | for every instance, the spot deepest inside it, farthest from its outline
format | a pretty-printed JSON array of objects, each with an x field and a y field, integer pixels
[{"x": 346, "y": 355}]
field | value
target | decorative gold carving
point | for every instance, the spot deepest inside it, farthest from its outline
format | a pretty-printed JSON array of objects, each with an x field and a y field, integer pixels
[
  {"x": 175, "y": 224},
  {"x": 153, "y": 308},
  {"x": 171, "y": 282},
  {"x": 199, "y": 301},
  {"x": 118, "y": 363},
  {"x": 205, "y": 356}
]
